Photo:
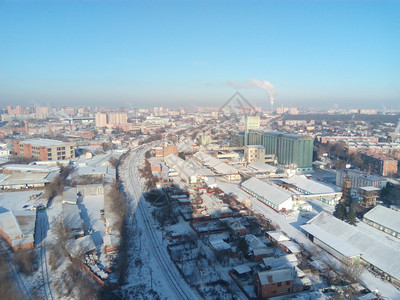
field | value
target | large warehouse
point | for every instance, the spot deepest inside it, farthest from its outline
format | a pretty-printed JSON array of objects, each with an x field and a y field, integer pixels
[
  {"x": 349, "y": 243},
  {"x": 270, "y": 194}
]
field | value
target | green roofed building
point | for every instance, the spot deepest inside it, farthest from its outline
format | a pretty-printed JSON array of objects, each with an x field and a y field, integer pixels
[{"x": 292, "y": 150}]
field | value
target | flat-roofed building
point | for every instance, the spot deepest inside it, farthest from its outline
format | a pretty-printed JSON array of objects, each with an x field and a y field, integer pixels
[
  {"x": 254, "y": 153},
  {"x": 45, "y": 149}
]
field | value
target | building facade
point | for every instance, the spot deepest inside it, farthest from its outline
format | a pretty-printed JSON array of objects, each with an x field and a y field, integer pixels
[
  {"x": 291, "y": 150},
  {"x": 45, "y": 149},
  {"x": 251, "y": 122}
]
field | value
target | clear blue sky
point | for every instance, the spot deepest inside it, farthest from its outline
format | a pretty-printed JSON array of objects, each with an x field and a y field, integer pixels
[{"x": 321, "y": 53}]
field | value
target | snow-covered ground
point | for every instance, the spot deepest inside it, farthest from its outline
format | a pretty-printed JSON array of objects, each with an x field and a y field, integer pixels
[
  {"x": 290, "y": 223},
  {"x": 156, "y": 270}
]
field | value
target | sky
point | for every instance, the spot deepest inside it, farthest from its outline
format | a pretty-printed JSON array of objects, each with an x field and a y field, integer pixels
[{"x": 171, "y": 53}]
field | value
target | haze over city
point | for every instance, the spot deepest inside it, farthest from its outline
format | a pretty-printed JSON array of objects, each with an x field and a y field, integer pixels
[
  {"x": 142, "y": 53},
  {"x": 186, "y": 150}
]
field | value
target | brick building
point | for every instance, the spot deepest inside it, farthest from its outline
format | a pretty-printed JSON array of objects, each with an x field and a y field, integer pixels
[
  {"x": 273, "y": 283},
  {"x": 381, "y": 165},
  {"x": 45, "y": 149}
]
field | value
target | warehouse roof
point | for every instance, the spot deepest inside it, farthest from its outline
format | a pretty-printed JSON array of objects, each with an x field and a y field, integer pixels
[
  {"x": 309, "y": 185},
  {"x": 376, "y": 247},
  {"x": 268, "y": 191},
  {"x": 261, "y": 167},
  {"x": 19, "y": 226},
  {"x": 384, "y": 216}
]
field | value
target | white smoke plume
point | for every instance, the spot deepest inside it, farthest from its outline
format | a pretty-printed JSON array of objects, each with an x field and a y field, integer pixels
[
  {"x": 255, "y": 83},
  {"x": 396, "y": 131}
]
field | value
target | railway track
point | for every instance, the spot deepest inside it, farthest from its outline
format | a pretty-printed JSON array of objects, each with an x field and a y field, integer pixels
[
  {"x": 19, "y": 280},
  {"x": 168, "y": 269}
]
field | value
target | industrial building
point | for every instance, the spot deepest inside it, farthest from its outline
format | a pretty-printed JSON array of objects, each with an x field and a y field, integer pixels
[
  {"x": 384, "y": 219},
  {"x": 291, "y": 150},
  {"x": 350, "y": 244},
  {"x": 251, "y": 122},
  {"x": 45, "y": 149},
  {"x": 17, "y": 228},
  {"x": 271, "y": 195},
  {"x": 311, "y": 189}
]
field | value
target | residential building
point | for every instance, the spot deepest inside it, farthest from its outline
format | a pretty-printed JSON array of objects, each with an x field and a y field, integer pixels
[
  {"x": 45, "y": 149},
  {"x": 381, "y": 165},
  {"x": 359, "y": 179},
  {"x": 273, "y": 283}
]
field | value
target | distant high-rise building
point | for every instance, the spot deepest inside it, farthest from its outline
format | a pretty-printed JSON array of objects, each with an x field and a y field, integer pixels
[
  {"x": 101, "y": 119},
  {"x": 251, "y": 122}
]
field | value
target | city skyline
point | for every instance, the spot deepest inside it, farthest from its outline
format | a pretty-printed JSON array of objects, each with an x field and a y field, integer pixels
[{"x": 330, "y": 54}]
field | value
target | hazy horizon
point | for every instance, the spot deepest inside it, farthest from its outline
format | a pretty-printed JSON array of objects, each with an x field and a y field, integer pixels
[{"x": 331, "y": 54}]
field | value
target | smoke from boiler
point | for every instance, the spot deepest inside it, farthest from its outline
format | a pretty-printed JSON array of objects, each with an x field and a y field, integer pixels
[{"x": 255, "y": 83}]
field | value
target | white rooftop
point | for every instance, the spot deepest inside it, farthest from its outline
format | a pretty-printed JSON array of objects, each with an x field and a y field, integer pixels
[
  {"x": 44, "y": 142},
  {"x": 309, "y": 185},
  {"x": 384, "y": 216},
  {"x": 268, "y": 191},
  {"x": 375, "y": 247}
]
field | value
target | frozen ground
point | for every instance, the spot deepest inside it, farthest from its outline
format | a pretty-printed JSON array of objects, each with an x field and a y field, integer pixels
[
  {"x": 290, "y": 223},
  {"x": 151, "y": 271}
]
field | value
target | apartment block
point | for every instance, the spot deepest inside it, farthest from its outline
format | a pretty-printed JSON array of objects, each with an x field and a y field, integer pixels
[{"x": 45, "y": 149}]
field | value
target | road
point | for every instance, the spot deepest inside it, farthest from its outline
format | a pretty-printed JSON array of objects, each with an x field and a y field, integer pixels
[{"x": 178, "y": 288}]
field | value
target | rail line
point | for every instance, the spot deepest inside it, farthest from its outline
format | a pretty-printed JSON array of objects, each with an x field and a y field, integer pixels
[
  {"x": 162, "y": 257},
  {"x": 17, "y": 275}
]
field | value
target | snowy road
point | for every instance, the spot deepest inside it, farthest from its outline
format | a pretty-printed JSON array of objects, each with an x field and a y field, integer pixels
[{"x": 173, "y": 286}]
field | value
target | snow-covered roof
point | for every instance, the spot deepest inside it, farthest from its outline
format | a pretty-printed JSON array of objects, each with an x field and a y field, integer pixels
[
  {"x": 275, "y": 276},
  {"x": 224, "y": 168},
  {"x": 71, "y": 215},
  {"x": 242, "y": 269},
  {"x": 280, "y": 262},
  {"x": 172, "y": 160},
  {"x": 30, "y": 168},
  {"x": 384, "y": 216},
  {"x": 268, "y": 191},
  {"x": 261, "y": 167},
  {"x": 220, "y": 245},
  {"x": 376, "y": 247},
  {"x": 278, "y": 236},
  {"x": 43, "y": 142},
  {"x": 19, "y": 226},
  {"x": 83, "y": 245},
  {"x": 309, "y": 185},
  {"x": 254, "y": 242}
]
